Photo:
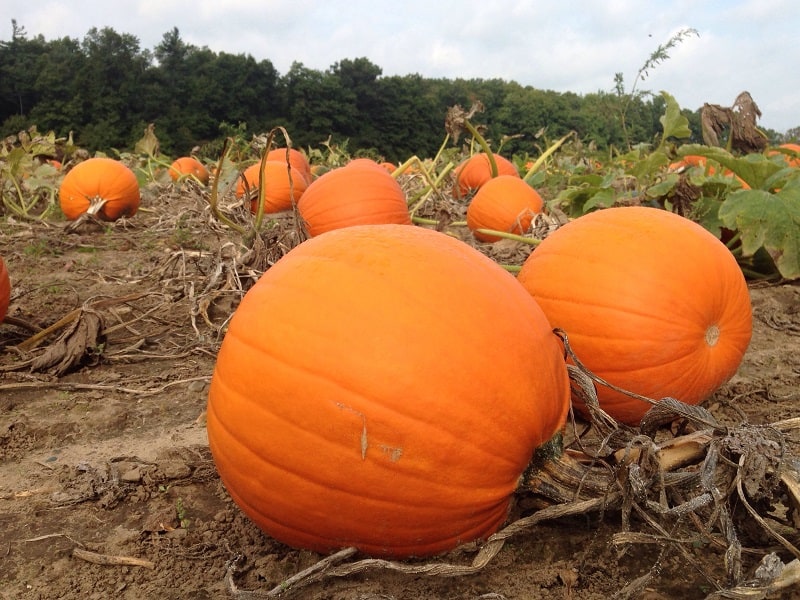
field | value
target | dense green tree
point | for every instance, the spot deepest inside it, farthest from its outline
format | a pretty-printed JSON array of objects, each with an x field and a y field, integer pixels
[{"x": 107, "y": 89}]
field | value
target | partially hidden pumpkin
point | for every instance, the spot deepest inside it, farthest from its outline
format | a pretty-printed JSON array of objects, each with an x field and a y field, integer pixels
[
  {"x": 101, "y": 186},
  {"x": 281, "y": 190},
  {"x": 296, "y": 159},
  {"x": 383, "y": 387},
  {"x": 361, "y": 192},
  {"x": 5, "y": 290},
  {"x": 476, "y": 170},
  {"x": 650, "y": 301},
  {"x": 188, "y": 165},
  {"x": 504, "y": 203}
]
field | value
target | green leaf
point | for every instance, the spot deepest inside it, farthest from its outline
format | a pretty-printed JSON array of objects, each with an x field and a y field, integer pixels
[
  {"x": 674, "y": 123},
  {"x": 768, "y": 220},
  {"x": 754, "y": 169}
]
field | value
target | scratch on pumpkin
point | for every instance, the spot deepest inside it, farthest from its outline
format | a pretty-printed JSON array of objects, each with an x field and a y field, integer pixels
[{"x": 364, "y": 441}]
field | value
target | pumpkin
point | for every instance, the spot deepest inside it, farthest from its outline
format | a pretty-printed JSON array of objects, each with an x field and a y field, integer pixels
[
  {"x": 792, "y": 161},
  {"x": 383, "y": 387},
  {"x": 505, "y": 203},
  {"x": 297, "y": 160},
  {"x": 695, "y": 160},
  {"x": 476, "y": 170},
  {"x": 280, "y": 193},
  {"x": 99, "y": 186},
  {"x": 5, "y": 290},
  {"x": 188, "y": 165},
  {"x": 358, "y": 193},
  {"x": 650, "y": 301}
]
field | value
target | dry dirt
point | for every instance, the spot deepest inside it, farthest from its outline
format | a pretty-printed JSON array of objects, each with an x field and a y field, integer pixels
[{"x": 109, "y": 458}]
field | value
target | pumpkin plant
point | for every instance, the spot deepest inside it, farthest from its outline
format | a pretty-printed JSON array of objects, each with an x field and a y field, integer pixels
[
  {"x": 5, "y": 290},
  {"x": 650, "y": 301},
  {"x": 505, "y": 203},
  {"x": 283, "y": 186},
  {"x": 188, "y": 166},
  {"x": 359, "y": 193},
  {"x": 333, "y": 420},
  {"x": 100, "y": 187}
]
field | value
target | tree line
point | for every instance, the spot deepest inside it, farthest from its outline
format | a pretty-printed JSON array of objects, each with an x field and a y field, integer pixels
[{"x": 106, "y": 89}]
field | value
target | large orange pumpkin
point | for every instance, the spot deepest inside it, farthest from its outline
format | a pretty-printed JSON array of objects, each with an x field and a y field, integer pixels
[
  {"x": 383, "y": 387},
  {"x": 280, "y": 193},
  {"x": 188, "y": 165},
  {"x": 476, "y": 170},
  {"x": 505, "y": 203},
  {"x": 297, "y": 160},
  {"x": 101, "y": 186},
  {"x": 5, "y": 290},
  {"x": 360, "y": 193},
  {"x": 650, "y": 301}
]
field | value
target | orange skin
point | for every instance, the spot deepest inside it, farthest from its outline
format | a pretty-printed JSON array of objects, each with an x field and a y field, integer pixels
[
  {"x": 188, "y": 165},
  {"x": 361, "y": 192},
  {"x": 99, "y": 180},
  {"x": 383, "y": 387},
  {"x": 505, "y": 203},
  {"x": 474, "y": 171},
  {"x": 280, "y": 193},
  {"x": 650, "y": 301}
]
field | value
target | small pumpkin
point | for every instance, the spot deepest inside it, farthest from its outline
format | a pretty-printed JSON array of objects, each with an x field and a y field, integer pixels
[
  {"x": 188, "y": 165},
  {"x": 358, "y": 193},
  {"x": 504, "y": 203},
  {"x": 383, "y": 387},
  {"x": 297, "y": 160},
  {"x": 5, "y": 290},
  {"x": 476, "y": 170},
  {"x": 650, "y": 301},
  {"x": 99, "y": 186},
  {"x": 280, "y": 192}
]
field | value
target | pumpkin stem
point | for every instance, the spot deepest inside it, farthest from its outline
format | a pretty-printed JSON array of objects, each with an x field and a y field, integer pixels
[
  {"x": 546, "y": 154},
  {"x": 510, "y": 236},
  {"x": 96, "y": 204}
]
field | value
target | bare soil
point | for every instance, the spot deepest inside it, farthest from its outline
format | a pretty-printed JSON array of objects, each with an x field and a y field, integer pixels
[{"x": 104, "y": 455}]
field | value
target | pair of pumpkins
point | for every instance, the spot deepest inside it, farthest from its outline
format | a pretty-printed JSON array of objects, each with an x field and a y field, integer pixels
[
  {"x": 503, "y": 203},
  {"x": 384, "y": 386},
  {"x": 286, "y": 173}
]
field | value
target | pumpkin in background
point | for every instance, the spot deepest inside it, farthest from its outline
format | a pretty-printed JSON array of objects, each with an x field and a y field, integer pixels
[
  {"x": 792, "y": 161},
  {"x": 359, "y": 193},
  {"x": 650, "y": 301},
  {"x": 297, "y": 160},
  {"x": 5, "y": 290},
  {"x": 188, "y": 165},
  {"x": 504, "y": 203},
  {"x": 99, "y": 186},
  {"x": 476, "y": 170},
  {"x": 280, "y": 192},
  {"x": 383, "y": 387}
]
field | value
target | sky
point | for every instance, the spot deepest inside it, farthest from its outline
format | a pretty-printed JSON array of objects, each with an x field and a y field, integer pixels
[{"x": 566, "y": 46}]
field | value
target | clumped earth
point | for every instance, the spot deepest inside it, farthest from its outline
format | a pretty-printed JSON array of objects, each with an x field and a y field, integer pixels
[{"x": 107, "y": 486}]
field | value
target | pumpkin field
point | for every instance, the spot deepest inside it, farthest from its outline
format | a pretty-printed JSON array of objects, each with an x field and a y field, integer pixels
[{"x": 273, "y": 372}]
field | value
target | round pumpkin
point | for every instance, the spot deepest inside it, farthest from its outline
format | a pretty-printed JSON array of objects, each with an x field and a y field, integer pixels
[
  {"x": 504, "y": 203},
  {"x": 280, "y": 193},
  {"x": 650, "y": 301},
  {"x": 358, "y": 193},
  {"x": 383, "y": 387},
  {"x": 102, "y": 186},
  {"x": 476, "y": 170},
  {"x": 188, "y": 165},
  {"x": 5, "y": 290},
  {"x": 297, "y": 160}
]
